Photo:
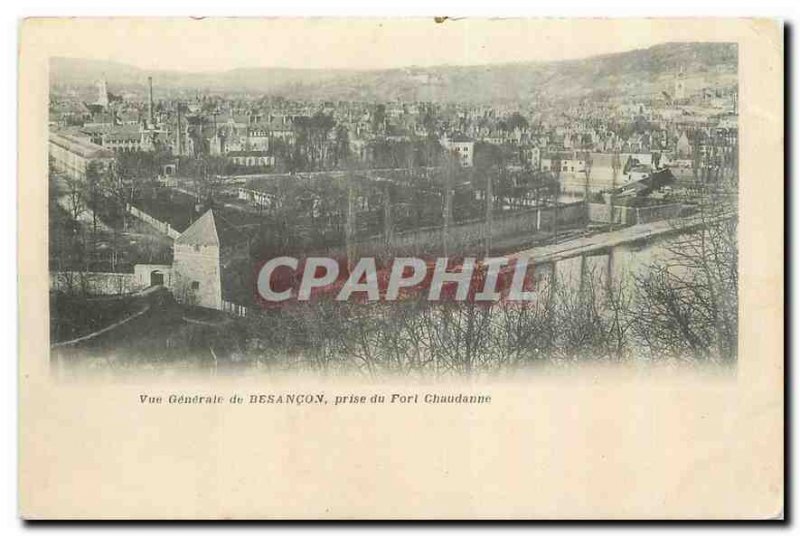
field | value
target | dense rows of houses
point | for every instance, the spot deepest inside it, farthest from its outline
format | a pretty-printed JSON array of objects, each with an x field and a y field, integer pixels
[
  {"x": 589, "y": 145},
  {"x": 267, "y": 134}
]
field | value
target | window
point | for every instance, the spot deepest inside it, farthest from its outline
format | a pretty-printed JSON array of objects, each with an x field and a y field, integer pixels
[{"x": 195, "y": 285}]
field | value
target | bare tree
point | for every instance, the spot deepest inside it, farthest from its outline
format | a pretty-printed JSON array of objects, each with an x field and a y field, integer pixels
[
  {"x": 688, "y": 306},
  {"x": 121, "y": 189},
  {"x": 76, "y": 199}
]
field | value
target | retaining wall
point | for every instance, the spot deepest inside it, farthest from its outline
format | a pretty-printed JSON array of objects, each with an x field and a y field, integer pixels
[
  {"x": 160, "y": 226},
  {"x": 94, "y": 283},
  {"x": 599, "y": 212},
  {"x": 462, "y": 236}
]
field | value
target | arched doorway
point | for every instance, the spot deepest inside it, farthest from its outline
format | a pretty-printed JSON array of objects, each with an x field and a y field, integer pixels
[{"x": 156, "y": 278}]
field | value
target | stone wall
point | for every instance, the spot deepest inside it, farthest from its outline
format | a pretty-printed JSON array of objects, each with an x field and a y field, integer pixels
[
  {"x": 158, "y": 225},
  {"x": 599, "y": 213},
  {"x": 469, "y": 235},
  {"x": 196, "y": 276},
  {"x": 143, "y": 274},
  {"x": 94, "y": 283},
  {"x": 657, "y": 213},
  {"x": 575, "y": 182}
]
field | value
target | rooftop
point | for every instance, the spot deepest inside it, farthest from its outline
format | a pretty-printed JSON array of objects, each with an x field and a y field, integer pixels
[
  {"x": 202, "y": 232},
  {"x": 79, "y": 146}
]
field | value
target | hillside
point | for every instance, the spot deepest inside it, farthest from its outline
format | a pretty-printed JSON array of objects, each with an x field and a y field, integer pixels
[{"x": 626, "y": 74}]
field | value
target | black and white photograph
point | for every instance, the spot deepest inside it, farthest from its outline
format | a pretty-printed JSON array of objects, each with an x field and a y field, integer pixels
[
  {"x": 401, "y": 268},
  {"x": 608, "y": 184}
]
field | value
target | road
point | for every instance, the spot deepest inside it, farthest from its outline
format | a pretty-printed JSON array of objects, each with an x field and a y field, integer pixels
[{"x": 159, "y": 336}]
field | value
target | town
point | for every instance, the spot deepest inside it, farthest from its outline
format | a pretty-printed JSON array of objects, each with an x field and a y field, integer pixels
[{"x": 166, "y": 199}]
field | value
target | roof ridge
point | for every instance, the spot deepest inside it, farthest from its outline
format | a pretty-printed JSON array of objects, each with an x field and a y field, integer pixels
[{"x": 203, "y": 232}]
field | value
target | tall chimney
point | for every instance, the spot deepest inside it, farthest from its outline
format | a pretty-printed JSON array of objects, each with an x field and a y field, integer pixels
[
  {"x": 150, "y": 99},
  {"x": 178, "y": 132}
]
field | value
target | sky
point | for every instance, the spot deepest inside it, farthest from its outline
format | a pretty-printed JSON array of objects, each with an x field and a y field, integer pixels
[{"x": 220, "y": 44}]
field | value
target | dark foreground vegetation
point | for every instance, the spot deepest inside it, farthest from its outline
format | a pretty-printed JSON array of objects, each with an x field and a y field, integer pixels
[{"x": 682, "y": 307}]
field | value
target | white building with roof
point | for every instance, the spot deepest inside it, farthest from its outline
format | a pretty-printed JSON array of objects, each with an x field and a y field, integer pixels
[
  {"x": 196, "y": 274},
  {"x": 73, "y": 155},
  {"x": 461, "y": 146}
]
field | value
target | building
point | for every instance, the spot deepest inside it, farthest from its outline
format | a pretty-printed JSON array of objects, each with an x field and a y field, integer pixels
[
  {"x": 211, "y": 266},
  {"x": 258, "y": 137},
  {"x": 533, "y": 157},
  {"x": 563, "y": 162},
  {"x": 251, "y": 159},
  {"x": 461, "y": 146},
  {"x": 102, "y": 93},
  {"x": 196, "y": 264},
  {"x": 74, "y": 156},
  {"x": 119, "y": 138},
  {"x": 683, "y": 147},
  {"x": 602, "y": 171},
  {"x": 69, "y": 114}
]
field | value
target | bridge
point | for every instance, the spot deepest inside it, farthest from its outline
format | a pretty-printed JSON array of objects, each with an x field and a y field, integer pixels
[{"x": 603, "y": 244}]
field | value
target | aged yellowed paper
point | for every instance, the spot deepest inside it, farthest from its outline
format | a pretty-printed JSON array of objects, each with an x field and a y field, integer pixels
[{"x": 401, "y": 268}]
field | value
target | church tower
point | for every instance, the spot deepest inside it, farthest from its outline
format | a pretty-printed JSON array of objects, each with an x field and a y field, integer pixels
[
  {"x": 102, "y": 93},
  {"x": 151, "y": 118}
]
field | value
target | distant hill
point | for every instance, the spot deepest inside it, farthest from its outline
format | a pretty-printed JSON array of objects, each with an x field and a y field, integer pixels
[{"x": 626, "y": 74}]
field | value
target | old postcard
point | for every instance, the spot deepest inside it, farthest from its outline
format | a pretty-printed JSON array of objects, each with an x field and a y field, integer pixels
[{"x": 401, "y": 269}]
